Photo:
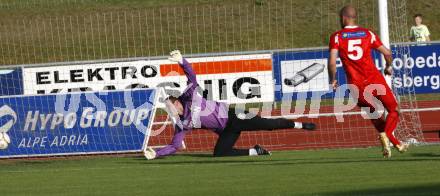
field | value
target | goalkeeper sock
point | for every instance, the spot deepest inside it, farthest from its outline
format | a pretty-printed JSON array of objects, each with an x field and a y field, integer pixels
[{"x": 253, "y": 152}]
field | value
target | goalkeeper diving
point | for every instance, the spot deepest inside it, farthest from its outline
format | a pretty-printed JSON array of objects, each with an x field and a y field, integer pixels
[{"x": 191, "y": 111}]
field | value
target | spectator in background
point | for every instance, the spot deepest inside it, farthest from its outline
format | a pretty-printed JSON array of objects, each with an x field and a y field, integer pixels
[{"x": 419, "y": 32}]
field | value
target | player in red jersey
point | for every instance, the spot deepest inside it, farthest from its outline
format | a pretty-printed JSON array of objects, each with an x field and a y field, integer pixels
[{"x": 354, "y": 45}]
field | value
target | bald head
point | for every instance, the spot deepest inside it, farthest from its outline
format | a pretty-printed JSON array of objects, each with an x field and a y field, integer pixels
[
  {"x": 348, "y": 15},
  {"x": 348, "y": 11}
]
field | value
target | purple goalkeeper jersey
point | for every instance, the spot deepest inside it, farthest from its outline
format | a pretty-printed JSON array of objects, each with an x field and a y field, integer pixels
[{"x": 197, "y": 113}]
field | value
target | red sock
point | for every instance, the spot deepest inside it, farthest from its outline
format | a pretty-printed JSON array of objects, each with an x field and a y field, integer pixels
[{"x": 390, "y": 126}]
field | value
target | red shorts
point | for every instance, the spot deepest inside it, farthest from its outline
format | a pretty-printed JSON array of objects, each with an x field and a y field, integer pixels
[{"x": 376, "y": 87}]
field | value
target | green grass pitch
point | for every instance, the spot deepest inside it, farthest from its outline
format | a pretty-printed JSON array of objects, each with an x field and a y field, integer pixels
[{"x": 318, "y": 172}]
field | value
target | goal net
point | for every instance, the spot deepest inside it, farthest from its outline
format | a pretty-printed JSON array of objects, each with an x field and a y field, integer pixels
[
  {"x": 302, "y": 92},
  {"x": 268, "y": 57}
]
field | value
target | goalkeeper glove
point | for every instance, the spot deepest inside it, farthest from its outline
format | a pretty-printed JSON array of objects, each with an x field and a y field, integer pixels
[
  {"x": 175, "y": 56},
  {"x": 149, "y": 153}
]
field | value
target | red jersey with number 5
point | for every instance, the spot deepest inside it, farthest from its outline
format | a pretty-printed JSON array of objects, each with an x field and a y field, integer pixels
[{"x": 354, "y": 45}]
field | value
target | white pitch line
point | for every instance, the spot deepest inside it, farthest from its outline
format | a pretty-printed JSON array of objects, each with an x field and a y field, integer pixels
[{"x": 350, "y": 113}]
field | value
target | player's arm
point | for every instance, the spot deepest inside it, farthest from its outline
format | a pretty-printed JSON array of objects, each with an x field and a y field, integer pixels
[
  {"x": 387, "y": 54},
  {"x": 333, "y": 55},
  {"x": 388, "y": 59},
  {"x": 332, "y": 68},
  {"x": 176, "y": 56},
  {"x": 176, "y": 144}
]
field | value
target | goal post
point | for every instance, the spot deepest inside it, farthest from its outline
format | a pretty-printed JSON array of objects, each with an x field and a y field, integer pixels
[
  {"x": 383, "y": 22},
  {"x": 384, "y": 33}
]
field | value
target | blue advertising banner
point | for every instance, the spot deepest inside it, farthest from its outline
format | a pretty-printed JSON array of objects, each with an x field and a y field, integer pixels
[
  {"x": 11, "y": 82},
  {"x": 77, "y": 123},
  {"x": 423, "y": 61}
]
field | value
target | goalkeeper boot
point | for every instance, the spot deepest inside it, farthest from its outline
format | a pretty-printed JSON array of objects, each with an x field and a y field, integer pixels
[
  {"x": 261, "y": 151},
  {"x": 386, "y": 150},
  {"x": 402, "y": 147}
]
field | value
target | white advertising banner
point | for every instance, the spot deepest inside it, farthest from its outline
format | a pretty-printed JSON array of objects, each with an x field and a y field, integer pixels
[
  {"x": 232, "y": 79},
  {"x": 318, "y": 80}
]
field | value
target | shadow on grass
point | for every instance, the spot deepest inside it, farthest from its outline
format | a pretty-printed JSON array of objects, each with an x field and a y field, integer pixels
[
  {"x": 196, "y": 155},
  {"x": 209, "y": 159},
  {"x": 426, "y": 155},
  {"x": 192, "y": 159},
  {"x": 429, "y": 189},
  {"x": 26, "y": 162},
  {"x": 327, "y": 161}
]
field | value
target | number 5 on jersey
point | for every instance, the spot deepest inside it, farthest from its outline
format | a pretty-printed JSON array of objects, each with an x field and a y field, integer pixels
[{"x": 355, "y": 51}]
